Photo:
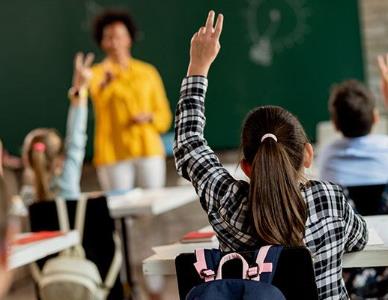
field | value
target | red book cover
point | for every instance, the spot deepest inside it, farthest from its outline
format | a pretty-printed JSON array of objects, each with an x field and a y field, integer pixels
[
  {"x": 198, "y": 236},
  {"x": 36, "y": 236}
]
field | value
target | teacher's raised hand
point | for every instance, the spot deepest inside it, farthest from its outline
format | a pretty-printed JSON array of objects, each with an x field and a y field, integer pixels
[{"x": 205, "y": 45}]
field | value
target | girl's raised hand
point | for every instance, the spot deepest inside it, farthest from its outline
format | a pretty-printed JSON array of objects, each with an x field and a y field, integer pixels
[
  {"x": 82, "y": 70},
  {"x": 383, "y": 65},
  {"x": 205, "y": 45}
]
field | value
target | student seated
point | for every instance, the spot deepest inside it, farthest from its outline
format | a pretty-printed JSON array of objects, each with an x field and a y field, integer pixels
[
  {"x": 359, "y": 157},
  {"x": 56, "y": 165},
  {"x": 278, "y": 206}
]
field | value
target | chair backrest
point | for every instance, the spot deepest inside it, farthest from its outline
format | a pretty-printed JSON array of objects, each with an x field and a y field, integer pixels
[
  {"x": 367, "y": 198},
  {"x": 98, "y": 232},
  {"x": 294, "y": 275}
]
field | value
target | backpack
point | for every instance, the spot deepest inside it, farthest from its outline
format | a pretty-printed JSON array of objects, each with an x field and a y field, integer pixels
[
  {"x": 255, "y": 281},
  {"x": 70, "y": 275}
]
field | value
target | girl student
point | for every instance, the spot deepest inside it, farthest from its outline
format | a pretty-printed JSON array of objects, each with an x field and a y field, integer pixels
[
  {"x": 277, "y": 206},
  {"x": 56, "y": 165}
]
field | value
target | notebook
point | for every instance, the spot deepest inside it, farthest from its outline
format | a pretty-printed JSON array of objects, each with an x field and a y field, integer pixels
[
  {"x": 35, "y": 237},
  {"x": 199, "y": 237}
]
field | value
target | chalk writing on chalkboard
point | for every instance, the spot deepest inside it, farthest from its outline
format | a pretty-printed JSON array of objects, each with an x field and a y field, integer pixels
[
  {"x": 275, "y": 25},
  {"x": 92, "y": 8}
]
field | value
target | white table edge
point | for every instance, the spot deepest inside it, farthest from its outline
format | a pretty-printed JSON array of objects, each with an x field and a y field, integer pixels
[{"x": 29, "y": 253}]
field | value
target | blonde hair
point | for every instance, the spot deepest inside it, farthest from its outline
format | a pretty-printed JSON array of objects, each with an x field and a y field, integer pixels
[{"x": 41, "y": 148}]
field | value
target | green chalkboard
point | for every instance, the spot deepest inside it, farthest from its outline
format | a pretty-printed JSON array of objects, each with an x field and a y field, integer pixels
[{"x": 283, "y": 52}]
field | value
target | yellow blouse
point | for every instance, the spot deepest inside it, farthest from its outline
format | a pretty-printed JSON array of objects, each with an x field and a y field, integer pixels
[{"x": 137, "y": 89}]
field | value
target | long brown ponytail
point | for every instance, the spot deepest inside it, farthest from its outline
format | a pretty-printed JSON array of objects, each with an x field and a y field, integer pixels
[
  {"x": 278, "y": 209},
  {"x": 41, "y": 169}
]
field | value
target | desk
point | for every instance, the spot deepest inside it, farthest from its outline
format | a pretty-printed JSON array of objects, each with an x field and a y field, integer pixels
[
  {"x": 371, "y": 256},
  {"x": 25, "y": 254},
  {"x": 150, "y": 202},
  {"x": 146, "y": 202},
  {"x": 163, "y": 263},
  {"x": 136, "y": 203}
]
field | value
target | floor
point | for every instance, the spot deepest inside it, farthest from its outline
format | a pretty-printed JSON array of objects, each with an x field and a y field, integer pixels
[{"x": 159, "y": 230}]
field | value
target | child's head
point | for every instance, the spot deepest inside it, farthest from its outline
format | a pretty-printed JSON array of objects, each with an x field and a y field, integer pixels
[
  {"x": 43, "y": 152},
  {"x": 275, "y": 149},
  {"x": 352, "y": 109}
]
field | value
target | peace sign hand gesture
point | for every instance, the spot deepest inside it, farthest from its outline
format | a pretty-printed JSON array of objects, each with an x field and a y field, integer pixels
[
  {"x": 205, "y": 46},
  {"x": 383, "y": 65},
  {"x": 82, "y": 70}
]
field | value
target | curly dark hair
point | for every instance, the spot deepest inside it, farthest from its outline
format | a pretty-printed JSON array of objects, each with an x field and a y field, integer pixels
[{"x": 112, "y": 16}]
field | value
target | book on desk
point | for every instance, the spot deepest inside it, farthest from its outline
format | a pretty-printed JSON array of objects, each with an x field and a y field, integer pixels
[{"x": 199, "y": 237}]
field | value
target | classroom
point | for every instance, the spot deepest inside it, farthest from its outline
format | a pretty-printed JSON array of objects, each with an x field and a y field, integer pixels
[{"x": 157, "y": 150}]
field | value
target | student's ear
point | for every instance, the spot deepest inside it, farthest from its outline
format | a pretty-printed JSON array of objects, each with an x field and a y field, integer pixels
[
  {"x": 376, "y": 116},
  {"x": 308, "y": 155},
  {"x": 246, "y": 167}
]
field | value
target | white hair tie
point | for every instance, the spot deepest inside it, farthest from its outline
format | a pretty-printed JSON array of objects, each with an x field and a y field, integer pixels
[{"x": 269, "y": 135}]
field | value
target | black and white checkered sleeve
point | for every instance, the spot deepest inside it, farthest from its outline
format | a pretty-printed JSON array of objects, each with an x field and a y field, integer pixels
[
  {"x": 193, "y": 157},
  {"x": 355, "y": 228}
]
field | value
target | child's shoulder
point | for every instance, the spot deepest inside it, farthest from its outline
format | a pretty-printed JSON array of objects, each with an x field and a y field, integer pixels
[
  {"x": 317, "y": 189},
  {"x": 319, "y": 184},
  {"x": 324, "y": 199},
  {"x": 378, "y": 140}
]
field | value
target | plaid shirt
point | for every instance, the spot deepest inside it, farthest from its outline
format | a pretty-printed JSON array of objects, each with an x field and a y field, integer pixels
[{"x": 332, "y": 226}]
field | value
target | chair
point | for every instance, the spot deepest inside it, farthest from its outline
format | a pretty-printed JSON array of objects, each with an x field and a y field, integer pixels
[
  {"x": 294, "y": 275},
  {"x": 98, "y": 241},
  {"x": 368, "y": 199}
]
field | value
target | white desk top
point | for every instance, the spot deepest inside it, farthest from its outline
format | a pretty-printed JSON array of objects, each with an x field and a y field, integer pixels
[
  {"x": 163, "y": 263},
  {"x": 375, "y": 255},
  {"x": 25, "y": 254},
  {"x": 150, "y": 202}
]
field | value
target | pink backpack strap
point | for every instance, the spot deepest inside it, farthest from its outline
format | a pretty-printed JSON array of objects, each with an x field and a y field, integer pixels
[
  {"x": 201, "y": 266},
  {"x": 261, "y": 266}
]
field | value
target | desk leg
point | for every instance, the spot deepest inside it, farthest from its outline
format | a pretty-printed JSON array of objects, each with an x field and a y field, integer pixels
[{"x": 127, "y": 261}]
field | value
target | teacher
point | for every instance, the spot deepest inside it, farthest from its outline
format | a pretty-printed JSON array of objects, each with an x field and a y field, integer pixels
[{"x": 131, "y": 110}]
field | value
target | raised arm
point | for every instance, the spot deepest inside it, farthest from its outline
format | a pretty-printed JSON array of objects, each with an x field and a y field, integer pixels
[
  {"x": 75, "y": 143},
  {"x": 193, "y": 157},
  {"x": 205, "y": 45}
]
